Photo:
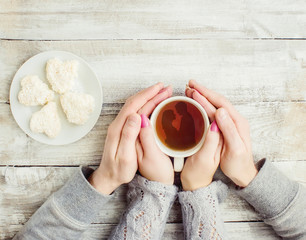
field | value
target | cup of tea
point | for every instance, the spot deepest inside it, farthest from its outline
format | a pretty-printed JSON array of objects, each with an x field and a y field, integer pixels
[{"x": 180, "y": 125}]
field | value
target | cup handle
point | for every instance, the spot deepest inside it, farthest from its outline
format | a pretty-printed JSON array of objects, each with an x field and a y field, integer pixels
[{"x": 178, "y": 164}]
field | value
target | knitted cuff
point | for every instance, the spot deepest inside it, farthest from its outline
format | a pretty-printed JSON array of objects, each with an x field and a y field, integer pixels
[
  {"x": 217, "y": 188},
  {"x": 156, "y": 189},
  {"x": 78, "y": 199},
  {"x": 270, "y": 192}
]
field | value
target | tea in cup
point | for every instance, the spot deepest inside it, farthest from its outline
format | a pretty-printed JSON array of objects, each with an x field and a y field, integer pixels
[{"x": 180, "y": 125}]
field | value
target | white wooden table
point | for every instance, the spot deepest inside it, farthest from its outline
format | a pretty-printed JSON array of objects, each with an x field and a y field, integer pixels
[{"x": 253, "y": 52}]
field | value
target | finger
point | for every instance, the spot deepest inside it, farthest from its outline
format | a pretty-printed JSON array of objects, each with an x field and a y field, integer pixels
[
  {"x": 139, "y": 150},
  {"x": 215, "y": 99},
  {"x": 146, "y": 137},
  {"x": 219, "y": 101},
  {"x": 228, "y": 129},
  {"x": 218, "y": 151},
  {"x": 138, "y": 100},
  {"x": 132, "y": 105},
  {"x": 211, "y": 143},
  {"x": 148, "y": 108},
  {"x": 129, "y": 135},
  {"x": 188, "y": 92},
  {"x": 209, "y": 108}
]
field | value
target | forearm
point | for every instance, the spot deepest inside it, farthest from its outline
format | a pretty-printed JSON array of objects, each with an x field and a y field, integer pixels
[
  {"x": 279, "y": 200},
  {"x": 68, "y": 212},
  {"x": 201, "y": 213},
  {"x": 148, "y": 208}
]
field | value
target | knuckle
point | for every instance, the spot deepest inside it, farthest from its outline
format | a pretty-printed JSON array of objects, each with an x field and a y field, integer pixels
[
  {"x": 223, "y": 99},
  {"x": 129, "y": 131},
  {"x": 130, "y": 101},
  {"x": 126, "y": 134},
  {"x": 231, "y": 129}
]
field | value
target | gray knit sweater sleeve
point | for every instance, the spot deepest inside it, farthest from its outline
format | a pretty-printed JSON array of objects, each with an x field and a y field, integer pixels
[
  {"x": 201, "y": 214},
  {"x": 68, "y": 212},
  {"x": 280, "y": 201},
  {"x": 149, "y": 205}
]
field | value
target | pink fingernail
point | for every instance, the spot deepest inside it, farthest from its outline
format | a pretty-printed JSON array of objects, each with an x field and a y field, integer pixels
[
  {"x": 214, "y": 127},
  {"x": 144, "y": 121}
]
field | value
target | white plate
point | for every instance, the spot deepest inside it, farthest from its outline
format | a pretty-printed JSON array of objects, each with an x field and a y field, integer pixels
[{"x": 87, "y": 82}]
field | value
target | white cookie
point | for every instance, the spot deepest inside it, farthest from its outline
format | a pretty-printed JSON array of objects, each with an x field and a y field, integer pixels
[
  {"x": 46, "y": 121},
  {"x": 34, "y": 92},
  {"x": 77, "y": 106},
  {"x": 61, "y": 75}
]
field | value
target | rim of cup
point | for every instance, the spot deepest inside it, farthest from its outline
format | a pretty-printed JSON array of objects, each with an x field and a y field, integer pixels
[{"x": 176, "y": 153}]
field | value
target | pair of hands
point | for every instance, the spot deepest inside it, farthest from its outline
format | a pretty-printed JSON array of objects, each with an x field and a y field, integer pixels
[
  {"x": 130, "y": 144},
  {"x": 231, "y": 150}
]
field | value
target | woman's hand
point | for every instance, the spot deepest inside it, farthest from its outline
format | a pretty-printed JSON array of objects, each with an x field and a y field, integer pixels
[
  {"x": 236, "y": 155},
  {"x": 119, "y": 159},
  {"x": 153, "y": 163},
  {"x": 200, "y": 168}
]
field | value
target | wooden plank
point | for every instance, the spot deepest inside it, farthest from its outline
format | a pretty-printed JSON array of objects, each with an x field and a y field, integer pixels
[
  {"x": 242, "y": 70},
  {"x": 277, "y": 130},
  {"x": 24, "y": 189},
  {"x": 175, "y": 231},
  {"x": 239, "y": 231},
  {"x": 57, "y": 20}
]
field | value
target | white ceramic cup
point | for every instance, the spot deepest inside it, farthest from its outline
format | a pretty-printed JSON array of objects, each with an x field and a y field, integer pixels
[{"x": 179, "y": 155}]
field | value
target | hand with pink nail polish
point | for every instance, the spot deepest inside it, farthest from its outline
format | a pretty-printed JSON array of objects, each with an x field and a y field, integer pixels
[
  {"x": 119, "y": 160},
  {"x": 236, "y": 155},
  {"x": 153, "y": 164},
  {"x": 200, "y": 168}
]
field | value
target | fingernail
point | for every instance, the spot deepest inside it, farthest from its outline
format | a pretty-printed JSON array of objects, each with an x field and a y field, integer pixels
[
  {"x": 214, "y": 127},
  {"x": 159, "y": 83},
  {"x": 144, "y": 121},
  {"x": 195, "y": 91},
  {"x": 187, "y": 86},
  {"x": 163, "y": 90},
  {"x": 222, "y": 114}
]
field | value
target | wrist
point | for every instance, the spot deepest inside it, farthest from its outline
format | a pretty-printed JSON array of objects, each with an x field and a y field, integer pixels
[
  {"x": 192, "y": 186},
  {"x": 168, "y": 181},
  {"x": 244, "y": 179},
  {"x": 101, "y": 183},
  {"x": 163, "y": 177}
]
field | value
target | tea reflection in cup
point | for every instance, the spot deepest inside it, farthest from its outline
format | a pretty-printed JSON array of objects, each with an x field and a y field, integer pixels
[
  {"x": 182, "y": 136},
  {"x": 180, "y": 125}
]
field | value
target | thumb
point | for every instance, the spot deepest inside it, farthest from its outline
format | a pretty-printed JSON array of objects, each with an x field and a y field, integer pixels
[
  {"x": 146, "y": 136},
  {"x": 211, "y": 142},
  {"x": 228, "y": 129},
  {"x": 129, "y": 134}
]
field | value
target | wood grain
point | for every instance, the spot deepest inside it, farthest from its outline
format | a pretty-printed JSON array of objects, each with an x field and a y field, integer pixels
[
  {"x": 24, "y": 190},
  {"x": 58, "y": 20},
  {"x": 253, "y": 52},
  {"x": 237, "y": 231},
  {"x": 277, "y": 129},
  {"x": 242, "y": 70}
]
